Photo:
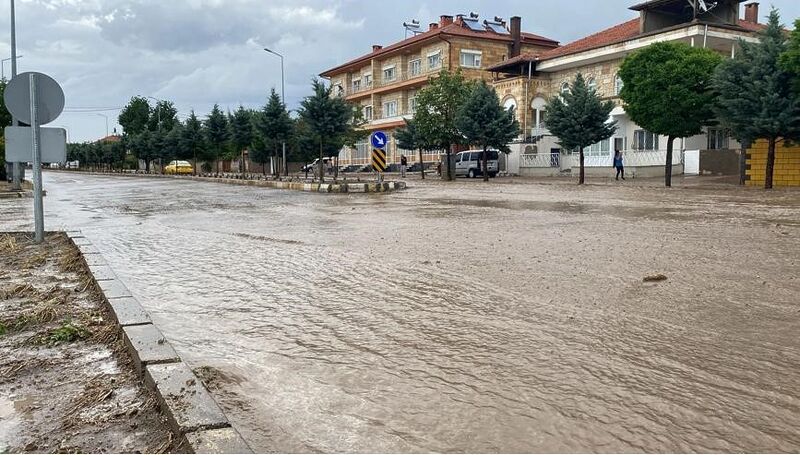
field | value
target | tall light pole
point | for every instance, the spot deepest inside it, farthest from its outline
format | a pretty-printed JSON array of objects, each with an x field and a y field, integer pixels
[
  {"x": 283, "y": 100},
  {"x": 3, "y": 64},
  {"x": 17, "y": 167}
]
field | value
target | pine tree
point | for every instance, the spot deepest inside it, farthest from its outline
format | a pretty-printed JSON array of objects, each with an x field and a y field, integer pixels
[
  {"x": 192, "y": 140},
  {"x": 756, "y": 96},
  {"x": 579, "y": 118},
  {"x": 274, "y": 125},
  {"x": 216, "y": 129},
  {"x": 484, "y": 122},
  {"x": 242, "y": 132},
  {"x": 329, "y": 119}
]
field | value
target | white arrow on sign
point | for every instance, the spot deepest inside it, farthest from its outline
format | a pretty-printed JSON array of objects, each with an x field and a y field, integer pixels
[{"x": 379, "y": 140}]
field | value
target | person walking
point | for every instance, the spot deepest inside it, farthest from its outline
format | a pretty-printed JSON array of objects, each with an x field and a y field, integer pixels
[
  {"x": 403, "y": 165},
  {"x": 618, "y": 165}
]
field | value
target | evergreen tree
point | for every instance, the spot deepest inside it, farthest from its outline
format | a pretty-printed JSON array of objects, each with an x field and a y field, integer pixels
[
  {"x": 756, "y": 96},
  {"x": 329, "y": 119},
  {"x": 274, "y": 125},
  {"x": 216, "y": 129},
  {"x": 484, "y": 122},
  {"x": 579, "y": 119},
  {"x": 408, "y": 138},
  {"x": 192, "y": 140},
  {"x": 437, "y": 105},
  {"x": 667, "y": 91},
  {"x": 242, "y": 132}
]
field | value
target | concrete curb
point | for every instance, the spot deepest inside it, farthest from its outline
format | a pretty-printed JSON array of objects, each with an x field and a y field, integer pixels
[
  {"x": 191, "y": 410},
  {"x": 333, "y": 188}
]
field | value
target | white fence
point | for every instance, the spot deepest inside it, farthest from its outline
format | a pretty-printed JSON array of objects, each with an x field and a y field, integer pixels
[{"x": 630, "y": 158}]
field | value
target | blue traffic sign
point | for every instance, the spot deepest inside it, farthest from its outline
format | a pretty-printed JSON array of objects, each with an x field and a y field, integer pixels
[{"x": 379, "y": 140}]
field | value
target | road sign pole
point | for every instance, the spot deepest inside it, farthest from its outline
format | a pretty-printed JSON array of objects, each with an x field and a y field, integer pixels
[{"x": 38, "y": 211}]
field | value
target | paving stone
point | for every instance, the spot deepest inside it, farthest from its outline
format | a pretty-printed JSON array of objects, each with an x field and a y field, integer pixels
[
  {"x": 102, "y": 272},
  {"x": 81, "y": 241},
  {"x": 187, "y": 404},
  {"x": 94, "y": 259},
  {"x": 220, "y": 440},
  {"x": 148, "y": 346},
  {"x": 88, "y": 249},
  {"x": 357, "y": 188},
  {"x": 114, "y": 289},
  {"x": 128, "y": 311}
]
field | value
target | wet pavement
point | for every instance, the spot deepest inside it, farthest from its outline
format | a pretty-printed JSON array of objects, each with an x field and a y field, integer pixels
[{"x": 466, "y": 316}]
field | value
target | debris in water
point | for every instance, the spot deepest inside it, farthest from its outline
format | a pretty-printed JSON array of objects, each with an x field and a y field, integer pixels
[{"x": 652, "y": 278}]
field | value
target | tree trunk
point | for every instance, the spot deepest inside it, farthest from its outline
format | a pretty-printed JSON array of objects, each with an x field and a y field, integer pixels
[
  {"x": 335, "y": 168},
  {"x": 770, "y": 164},
  {"x": 485, "y": 165},
  {"x": 668, "y": 163},
  {"x": 421, "y": 165},
  {"x": 582, "y": 172},
  {"x": 447, "y": 163},
  {"x": 321, "y": 164},
  {"x": 147, "y": 166},
  {"x": 216, "y": 158}
]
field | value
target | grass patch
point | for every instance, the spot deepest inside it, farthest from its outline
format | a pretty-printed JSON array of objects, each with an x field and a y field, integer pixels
[
  {"x": 67, "y": 333},
  {"x": 3, "y": 329}
]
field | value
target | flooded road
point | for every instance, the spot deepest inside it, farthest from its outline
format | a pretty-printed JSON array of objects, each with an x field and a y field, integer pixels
[{"x": 466, "y": 317}]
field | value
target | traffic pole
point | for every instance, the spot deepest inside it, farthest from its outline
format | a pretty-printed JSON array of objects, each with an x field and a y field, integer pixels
[
  {"x": 16, "y": 182},
  {"x": 38, "y": 211}
]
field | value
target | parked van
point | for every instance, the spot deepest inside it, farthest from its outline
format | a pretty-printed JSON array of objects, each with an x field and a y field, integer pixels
[{"x": 470, "y": 163}]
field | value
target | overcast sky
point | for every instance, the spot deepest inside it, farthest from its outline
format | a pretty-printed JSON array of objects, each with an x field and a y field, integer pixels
[{"x": 200, "y": 52}]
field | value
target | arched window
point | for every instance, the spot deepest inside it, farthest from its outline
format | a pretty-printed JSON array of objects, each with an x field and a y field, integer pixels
[
  {"x": 564, "y": 87},
  {"x": 617, "y": 85},
  {"x": 592, "y": 84},
  {"x": 509, "y": 103}
]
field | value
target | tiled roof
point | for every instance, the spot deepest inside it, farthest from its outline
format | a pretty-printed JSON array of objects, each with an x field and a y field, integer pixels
[
  {"x": 751, "y": 26},
  {"x": 453, "y": 29}
]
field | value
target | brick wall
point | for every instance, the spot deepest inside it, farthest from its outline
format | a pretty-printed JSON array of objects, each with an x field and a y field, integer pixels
[{"x": 787, "y": 165}]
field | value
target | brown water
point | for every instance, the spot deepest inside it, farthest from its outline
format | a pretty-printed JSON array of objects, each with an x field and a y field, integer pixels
[{"x": 468, "y": 317}]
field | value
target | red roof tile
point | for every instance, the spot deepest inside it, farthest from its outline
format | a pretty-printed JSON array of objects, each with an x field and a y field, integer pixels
[
  {"x": 453, "y": 29},
  {"x": 615, "y": 34}
]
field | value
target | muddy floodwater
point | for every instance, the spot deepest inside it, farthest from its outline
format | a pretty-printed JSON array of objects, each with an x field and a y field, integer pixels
[{"x": 468, "y": 316}]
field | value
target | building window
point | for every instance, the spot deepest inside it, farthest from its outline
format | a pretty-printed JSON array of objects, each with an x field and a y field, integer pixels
[
  {"x": 601, "y": 148},
  {"x": 389, "y": 74},
  {"x": 367, "y": 81},
  {"x": 564, "y": 88},
  {"x": 356, "y": 85},
  {"x": 592, "y": 85},
  {"x": 435, "y": 60},
  {"x": 390, "y": 109},
  {"x": 618, "y": 84},
  {"x": 718, "y": 138},
  {"x": 338, "y": 90},
  {"x": 412, "y": 105},
  {"x": 415, "y": 67},
  {"x": 368, "y": 113},
  {"x": 470, "y": 59},
  {"x": 645, "y": 140}
]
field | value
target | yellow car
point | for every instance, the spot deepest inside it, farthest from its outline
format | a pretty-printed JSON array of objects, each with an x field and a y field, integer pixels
[{"x": 179, "y": 167}]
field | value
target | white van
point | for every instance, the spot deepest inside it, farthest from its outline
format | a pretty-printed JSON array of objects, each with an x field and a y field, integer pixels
[{"x": 470, "y": 163}]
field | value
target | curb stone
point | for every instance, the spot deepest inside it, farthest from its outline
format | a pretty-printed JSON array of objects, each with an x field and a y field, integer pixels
[{"x": 193, "y": 414}]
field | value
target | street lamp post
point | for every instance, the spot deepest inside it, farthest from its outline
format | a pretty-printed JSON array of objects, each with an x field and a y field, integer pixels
[
  {"x": 18, "y": 170},
  {"x": 104, "y": 116},
  {"x": 283, "y": 100},
  {"x": 3, "y": 64}
]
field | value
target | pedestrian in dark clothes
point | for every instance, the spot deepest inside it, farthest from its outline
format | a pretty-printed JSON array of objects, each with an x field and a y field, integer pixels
[{"x": 618, "y": 165}]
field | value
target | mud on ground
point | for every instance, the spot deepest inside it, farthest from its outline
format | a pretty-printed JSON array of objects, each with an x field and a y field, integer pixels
[{"x": 66, "y": 382}]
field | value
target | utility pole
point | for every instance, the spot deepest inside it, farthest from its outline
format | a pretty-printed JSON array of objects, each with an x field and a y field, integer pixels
[
  {"x": 283, "y": 100},
  {"x": 16, "y": 183}
]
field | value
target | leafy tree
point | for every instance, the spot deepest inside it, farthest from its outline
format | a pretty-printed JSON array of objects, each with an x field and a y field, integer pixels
[
  {"x": 260, "y": 152},
  {"x": 216, "y": 129},
  {"x": 192, "y": 140},
  {"x": 172, "y": 143},
  {"x": 241, "y": 132},
  {"x": 437, "y": 106},
  {"x": 579, "y": 119},
  {"x": 274, "y": 124},
  {"x": 408, "y": 138},
  {"x": 756, "y": 91},
  {"x": 329, "y": 119},
  {"x": 667, "y": 90},
  {"x": 134, "y": 117},
  {"x": 163, "y": 116},
  {"x": 145, "y": 146},
  {"x": 790, "y": 58},
  {"x": 485, "y": 123}
]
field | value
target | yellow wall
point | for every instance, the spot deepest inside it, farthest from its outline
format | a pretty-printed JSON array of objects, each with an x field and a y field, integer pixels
[{"x": 787, "y": 165}]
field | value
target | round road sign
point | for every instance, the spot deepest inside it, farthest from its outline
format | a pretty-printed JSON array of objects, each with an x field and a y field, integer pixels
[{"x": 49, "y": 98}]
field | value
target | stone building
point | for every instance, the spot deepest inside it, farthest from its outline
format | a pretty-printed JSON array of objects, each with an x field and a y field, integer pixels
[
  {"x": 385, "y": 81},
  {"x": 530, "y": 79}
]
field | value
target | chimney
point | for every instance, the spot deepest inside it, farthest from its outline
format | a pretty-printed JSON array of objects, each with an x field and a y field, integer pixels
[
  {"x": 516, "y": 35},
  {"x": 751, "y": 12},
  {"x": 445, "y": 21},
  {"x": 376, "y": 47},
  {"x": 433, "y": 26}
]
